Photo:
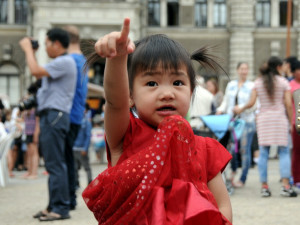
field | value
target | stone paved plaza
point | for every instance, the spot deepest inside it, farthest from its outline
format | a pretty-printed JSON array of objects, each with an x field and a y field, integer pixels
[{"x": 22, "y": 198}]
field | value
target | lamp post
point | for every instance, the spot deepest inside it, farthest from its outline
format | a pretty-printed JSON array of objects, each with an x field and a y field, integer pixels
[{"x": 288, "y": 24}]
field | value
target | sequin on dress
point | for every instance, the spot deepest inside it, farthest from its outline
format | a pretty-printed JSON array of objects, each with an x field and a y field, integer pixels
[{"x": 160, "y": 179}]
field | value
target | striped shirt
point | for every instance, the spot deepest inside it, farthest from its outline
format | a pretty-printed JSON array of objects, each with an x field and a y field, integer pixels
[{"x": 272, "y": 121}]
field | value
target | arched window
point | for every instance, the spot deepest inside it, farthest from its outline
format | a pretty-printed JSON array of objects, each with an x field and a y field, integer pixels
[
  {"x": 153, "y": 12},
  {"x": 263, "y": 11},
  {"x": 201, "y": 13},
  {"x": 10, "y": 82},
  {"x": 220, "y": 13}
]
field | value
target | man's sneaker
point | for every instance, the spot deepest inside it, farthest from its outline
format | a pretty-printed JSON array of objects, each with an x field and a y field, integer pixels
[
  {"x": 288, "y": 192},
  {"x": 265, "y": 191}
]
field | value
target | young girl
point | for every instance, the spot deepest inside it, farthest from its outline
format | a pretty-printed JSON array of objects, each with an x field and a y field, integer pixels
[{"x": 159, "y": 172}]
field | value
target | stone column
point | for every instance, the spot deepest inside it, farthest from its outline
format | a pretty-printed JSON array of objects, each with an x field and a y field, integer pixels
[
  {"x": 41, "y": 54},
  {"x": 11, "y": 11},
  {"x": 241, "y": 40},
  {"x": 274, "y": 13},
  {"x": 186, "y": 13},
  {"x": 210, "y": 13},
  {"x": 163, "y": 13}
]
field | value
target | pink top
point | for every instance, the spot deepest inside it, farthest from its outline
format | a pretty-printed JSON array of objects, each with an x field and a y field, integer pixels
[
  {"x": 272, "y": 122},
  {"x": 294, "y": 86}
]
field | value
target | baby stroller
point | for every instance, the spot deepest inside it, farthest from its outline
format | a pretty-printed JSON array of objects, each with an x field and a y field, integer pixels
[{"x": 218, "y": 125}]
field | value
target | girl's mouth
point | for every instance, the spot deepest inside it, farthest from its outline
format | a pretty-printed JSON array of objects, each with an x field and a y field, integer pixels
[{"x": 166, "y": 108}]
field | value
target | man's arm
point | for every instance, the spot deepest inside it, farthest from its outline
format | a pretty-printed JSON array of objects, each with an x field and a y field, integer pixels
[{"x": 34, "y": 67}]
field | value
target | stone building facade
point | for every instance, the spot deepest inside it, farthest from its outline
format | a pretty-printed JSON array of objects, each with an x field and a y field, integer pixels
[{"x": 238, "y": 30}]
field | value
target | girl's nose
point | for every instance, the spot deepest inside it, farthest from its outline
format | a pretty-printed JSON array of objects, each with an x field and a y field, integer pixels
[{"x": 166, "y": 94}]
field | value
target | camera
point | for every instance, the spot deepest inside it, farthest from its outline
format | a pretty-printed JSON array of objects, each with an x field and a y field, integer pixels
[
  {"x": 34, "y": 44},
  {"x": 28, "y": 103},
  {"x": 31, "y": 101}
]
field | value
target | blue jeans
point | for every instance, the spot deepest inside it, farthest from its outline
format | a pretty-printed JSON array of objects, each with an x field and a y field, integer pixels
[
  {"x": 54, "y": 126},
  {"x": 284, "y": 162},
  {"x": 245, "y": 151}
]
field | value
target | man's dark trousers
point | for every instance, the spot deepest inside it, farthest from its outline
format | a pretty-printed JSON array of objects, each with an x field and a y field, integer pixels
[
  {"x": 70, "y": 139},
  {"x": 54, "y": 126}
]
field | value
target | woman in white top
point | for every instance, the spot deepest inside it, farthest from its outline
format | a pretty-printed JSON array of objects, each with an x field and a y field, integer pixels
[{"x": 238, "y": 93}]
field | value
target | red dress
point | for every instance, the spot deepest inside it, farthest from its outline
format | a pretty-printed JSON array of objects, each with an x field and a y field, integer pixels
[{"x": 161, "y": 178}]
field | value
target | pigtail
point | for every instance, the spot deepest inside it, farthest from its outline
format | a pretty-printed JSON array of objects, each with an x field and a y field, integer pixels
[
  {"x": 88, "y": 50},
  {"x": 206, "y": 59}
]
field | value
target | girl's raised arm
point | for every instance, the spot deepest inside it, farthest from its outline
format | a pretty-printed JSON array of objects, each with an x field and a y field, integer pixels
[{"x": 115, "y": 47}]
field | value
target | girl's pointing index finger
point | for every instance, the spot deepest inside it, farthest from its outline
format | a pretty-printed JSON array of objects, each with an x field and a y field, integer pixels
[{"x": 125, "y": 29}]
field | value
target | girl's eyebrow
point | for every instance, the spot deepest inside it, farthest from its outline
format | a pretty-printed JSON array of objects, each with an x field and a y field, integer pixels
[{"x": 176, "y": 73}]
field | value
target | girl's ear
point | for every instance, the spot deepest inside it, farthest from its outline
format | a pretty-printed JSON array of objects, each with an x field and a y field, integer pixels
[{"x": 131, "y": 102}]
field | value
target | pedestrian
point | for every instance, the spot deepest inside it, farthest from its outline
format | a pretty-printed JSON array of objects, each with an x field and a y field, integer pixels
[
  {"x": 32, "y": 154},
  {"x": 77, "y": 110},
  {"x": 159, "y": 172},
  {"x": 273, "y": 122},
  {"x": 213, "y": 87},
  {"x": 200, "y": 106},
  {"x": 238, "y": 93},
  {"x": 295, "y": 85},
  {"x": 54, "y": 98},
  {"x": 81, "y": 147}
]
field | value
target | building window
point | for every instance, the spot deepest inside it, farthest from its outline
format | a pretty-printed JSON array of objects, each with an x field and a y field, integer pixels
[
  {"x": 283, "y": 10},
  {"x": 21, "y": 9},
  {"x": 153, "y": 12},
  {"x": 201, "y": 13},
  {"x": 173, "y": 12},
  {"x": 3, "y": 11},
  {"x": 220, "y": 13},
  {"x": 263, "y": 9},
  {"x": 10, "y": 82}
]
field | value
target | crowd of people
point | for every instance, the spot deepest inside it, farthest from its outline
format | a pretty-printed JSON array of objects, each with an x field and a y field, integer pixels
[
  {"x": 54, "y": 120},
  {"x": 153, "y": 149}
]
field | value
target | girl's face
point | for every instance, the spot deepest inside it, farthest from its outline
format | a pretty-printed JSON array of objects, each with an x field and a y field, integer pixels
[
  {"x": 243, "y": 71},
  {"x": 160, "y": 93}
]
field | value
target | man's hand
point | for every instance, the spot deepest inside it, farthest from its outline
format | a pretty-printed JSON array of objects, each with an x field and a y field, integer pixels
[
  {"x": 25, "y": 44},
  {"x": 115, "y": 43}
]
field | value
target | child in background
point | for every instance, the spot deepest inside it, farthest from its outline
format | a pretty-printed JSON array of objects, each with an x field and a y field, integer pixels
[
  {"x": 81, "y": 147},
  {"x": 97, "y": 139},
  {"x": 159, "y": 171}
]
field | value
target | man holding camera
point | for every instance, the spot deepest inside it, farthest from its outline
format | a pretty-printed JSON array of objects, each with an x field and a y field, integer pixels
[{"x": 54, "y": 104}]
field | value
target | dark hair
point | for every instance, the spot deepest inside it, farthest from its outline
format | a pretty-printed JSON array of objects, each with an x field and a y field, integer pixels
[
  {"x": 33, "y": 88},
  {"x": 268, "y": 71},
  {"x": 87, "y": 106},
  {"x": 241, "y": 63},
  {"x": 158, "y": 49},
  {"x": 58, "y": 34},
  {"x": 292, "y": 60}
]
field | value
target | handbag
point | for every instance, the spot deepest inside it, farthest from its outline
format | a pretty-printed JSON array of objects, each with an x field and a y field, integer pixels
[{"x": 236, "y": 126}]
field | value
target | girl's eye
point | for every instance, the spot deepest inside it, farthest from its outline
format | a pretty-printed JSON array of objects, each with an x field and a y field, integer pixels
[
  {"x": 151, "y": 83},
  {"x": 178, "y": 83}
]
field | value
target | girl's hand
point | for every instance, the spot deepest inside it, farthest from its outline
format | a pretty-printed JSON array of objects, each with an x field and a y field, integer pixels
[{"x": 115, "y": 43}]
